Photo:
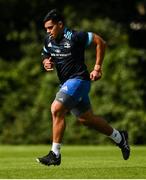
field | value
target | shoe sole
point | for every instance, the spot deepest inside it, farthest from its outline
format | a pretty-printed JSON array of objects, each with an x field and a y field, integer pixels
[{"x": 56, "y": 164}]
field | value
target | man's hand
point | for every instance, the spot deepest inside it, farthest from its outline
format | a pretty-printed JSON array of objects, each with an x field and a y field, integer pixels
[
  {"x": 48, "y": 64},
  {"x": 95, "y": 75}
]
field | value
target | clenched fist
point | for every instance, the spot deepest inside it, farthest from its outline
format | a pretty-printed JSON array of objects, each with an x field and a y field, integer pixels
[{"x": 48, "y": 64}]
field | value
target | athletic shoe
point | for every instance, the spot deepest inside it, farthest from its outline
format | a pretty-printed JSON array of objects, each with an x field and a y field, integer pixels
[
  {"x": 125, "y": 148},
  {"x": 50, "y": 159}
]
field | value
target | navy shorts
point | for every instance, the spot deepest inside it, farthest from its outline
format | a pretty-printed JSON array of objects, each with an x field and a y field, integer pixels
[{"x": 74, "y": 95}]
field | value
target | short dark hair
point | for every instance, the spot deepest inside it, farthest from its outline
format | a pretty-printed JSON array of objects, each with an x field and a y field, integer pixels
[{"x": 55, "y": 16}]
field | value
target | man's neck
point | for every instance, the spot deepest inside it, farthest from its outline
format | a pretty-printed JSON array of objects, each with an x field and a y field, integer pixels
[{"x": 60, "y": 36}]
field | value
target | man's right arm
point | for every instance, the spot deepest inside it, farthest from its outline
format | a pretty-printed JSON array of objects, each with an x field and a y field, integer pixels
[{"x": 46, "y": 57}]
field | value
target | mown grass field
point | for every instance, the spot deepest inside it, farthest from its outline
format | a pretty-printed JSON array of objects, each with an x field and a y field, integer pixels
[{"x": 78, "y": 162}]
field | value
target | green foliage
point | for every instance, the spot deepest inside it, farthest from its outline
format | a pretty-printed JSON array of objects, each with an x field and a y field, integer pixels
[
  {"x": 24, "y": 106},
  {"x": 119, "y": 97},
  {"x": 27, "y": 91}
]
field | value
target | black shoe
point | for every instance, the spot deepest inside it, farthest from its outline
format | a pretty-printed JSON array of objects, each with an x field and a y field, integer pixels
[
  {"x": 50, "y": 159},
  {"x": 125, "y": 148}
]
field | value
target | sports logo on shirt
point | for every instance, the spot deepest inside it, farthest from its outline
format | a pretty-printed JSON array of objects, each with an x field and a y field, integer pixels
[
  {"x": 57, "y": 50},
  {"x": 67, "y": 45},
  {"x": 49, "y": 45},
  {"x": 65, "y": 88}
]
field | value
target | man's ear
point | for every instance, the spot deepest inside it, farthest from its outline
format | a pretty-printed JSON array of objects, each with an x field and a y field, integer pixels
[{"x": 60, "y": 23}]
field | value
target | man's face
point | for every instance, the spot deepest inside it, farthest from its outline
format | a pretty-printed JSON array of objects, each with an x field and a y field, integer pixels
[{"x": 53, "y": 29}]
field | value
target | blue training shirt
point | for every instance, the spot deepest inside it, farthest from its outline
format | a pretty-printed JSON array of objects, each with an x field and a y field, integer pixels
[{"x": 68, "y": 54}]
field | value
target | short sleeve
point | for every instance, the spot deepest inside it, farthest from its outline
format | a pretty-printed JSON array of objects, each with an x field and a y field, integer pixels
[
  {"x": 90, "y": 38},
  {"x": 83, "y": 38}
]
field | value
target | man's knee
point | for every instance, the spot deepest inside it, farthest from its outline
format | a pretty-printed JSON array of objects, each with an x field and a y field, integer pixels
[
  {"x": 86, "y": 118},
  {"x": 58, "y": 109},
  {"x": 82, "y": 119}
]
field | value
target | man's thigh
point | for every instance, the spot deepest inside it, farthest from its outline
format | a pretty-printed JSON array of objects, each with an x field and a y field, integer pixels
[{"x": 74, "y": 95}]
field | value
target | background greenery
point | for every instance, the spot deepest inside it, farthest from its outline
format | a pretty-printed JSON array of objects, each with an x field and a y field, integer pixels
[{"x": 27, "y": 91}]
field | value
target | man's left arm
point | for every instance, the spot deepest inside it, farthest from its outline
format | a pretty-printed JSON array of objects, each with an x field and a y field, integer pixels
[{"x": 100, "y": 51}]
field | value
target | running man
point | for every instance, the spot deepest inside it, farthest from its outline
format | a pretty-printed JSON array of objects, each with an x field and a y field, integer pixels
[{"x": 64, "y": 50}]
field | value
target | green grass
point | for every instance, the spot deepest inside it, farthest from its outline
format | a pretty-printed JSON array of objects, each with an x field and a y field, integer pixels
[{"x": 78, "y": 162}]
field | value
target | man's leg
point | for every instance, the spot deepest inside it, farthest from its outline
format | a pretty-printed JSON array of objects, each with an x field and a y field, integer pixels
[
  {"x": 101, "y": 125},
  {"x": 95, "y": 122},
  {"x": 58, "y": 111}
]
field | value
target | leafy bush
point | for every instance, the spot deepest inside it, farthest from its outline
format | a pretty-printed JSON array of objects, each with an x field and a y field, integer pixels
[{"x": 27, "y": 91}]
